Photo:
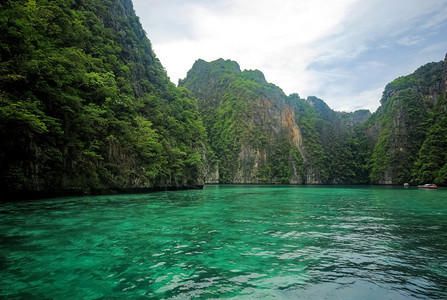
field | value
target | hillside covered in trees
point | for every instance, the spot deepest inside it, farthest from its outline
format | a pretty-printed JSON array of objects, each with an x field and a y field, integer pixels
[
  {"x": 259, "y": 134},
  {"x": 86, "y": 107},
  {"x": 408, "y": 132}
]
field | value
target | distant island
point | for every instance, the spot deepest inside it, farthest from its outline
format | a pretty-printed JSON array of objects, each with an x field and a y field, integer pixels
[{"x": 87, "y": 108}]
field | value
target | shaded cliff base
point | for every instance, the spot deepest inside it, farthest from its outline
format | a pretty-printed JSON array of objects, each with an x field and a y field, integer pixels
[
  {"x": 314, "y": 184},
  {"x": 35, "y": 195}
]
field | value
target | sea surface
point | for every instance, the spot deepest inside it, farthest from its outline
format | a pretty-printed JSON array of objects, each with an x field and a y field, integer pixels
[{"x": 234, "y": 242}]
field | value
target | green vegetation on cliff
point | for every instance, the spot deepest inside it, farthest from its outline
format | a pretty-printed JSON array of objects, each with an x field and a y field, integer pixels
[
  {"x": 85, "y": 104},
  {"x": 240, "y": 133},
  {"x": 431, "y": 163},
  {"x": 260, "y": 135},
  {"x": 410, "y": 144}
]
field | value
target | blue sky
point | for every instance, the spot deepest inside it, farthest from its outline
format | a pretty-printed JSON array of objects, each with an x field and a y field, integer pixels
[{"x": 342, "y": 51}]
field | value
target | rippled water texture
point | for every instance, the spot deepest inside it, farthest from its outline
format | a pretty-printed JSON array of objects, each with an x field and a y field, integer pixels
[{"x": 246, "y": 242}]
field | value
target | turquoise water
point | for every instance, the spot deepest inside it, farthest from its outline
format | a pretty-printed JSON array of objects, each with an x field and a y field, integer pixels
[{"x": 242, "y": 242}]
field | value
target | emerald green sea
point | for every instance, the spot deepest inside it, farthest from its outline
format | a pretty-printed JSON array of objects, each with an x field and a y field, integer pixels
[{"x": 241, "y": 242}]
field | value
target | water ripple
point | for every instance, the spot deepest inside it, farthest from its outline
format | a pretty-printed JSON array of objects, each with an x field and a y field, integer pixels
[{"x": 228, "y": 242}]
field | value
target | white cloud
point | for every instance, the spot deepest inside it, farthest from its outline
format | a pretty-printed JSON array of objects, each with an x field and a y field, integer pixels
[
  {"x": 309, "y": 47},
  {"x": 410, "y": 41},
  {"x": 267, "y": 36},
  {"x": 436, "y": 20},
  {"x": 367, "y": 99}
]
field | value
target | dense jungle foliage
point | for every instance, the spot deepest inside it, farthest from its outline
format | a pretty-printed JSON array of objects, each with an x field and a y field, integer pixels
[
  {"x": 412, "y": 143},
  {"x": 244, "y": 117},
  {"x": 231, "y": 104},
  {"x": 404, "y": 141},
  {"x": 86, "y": 105}
]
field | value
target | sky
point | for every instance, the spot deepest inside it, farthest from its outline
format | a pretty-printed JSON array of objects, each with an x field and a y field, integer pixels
[{"x": 342, "y": 51}]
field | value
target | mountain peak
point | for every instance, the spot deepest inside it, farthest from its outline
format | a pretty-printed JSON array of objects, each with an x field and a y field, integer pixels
[
  {"x": 204, "y": 69},
  {"x": 222, "y": 64}
]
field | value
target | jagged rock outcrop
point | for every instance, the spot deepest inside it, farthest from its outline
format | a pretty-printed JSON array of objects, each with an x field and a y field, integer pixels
[
  {"x": 410, "y": 106},
  {"x": 260, "y": 135},
  {"x": 249, "y": 123}
]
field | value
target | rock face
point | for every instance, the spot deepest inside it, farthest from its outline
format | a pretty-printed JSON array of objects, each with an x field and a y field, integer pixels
[
  {"x": 260, "y": 135},
  {"x": 249, "y": 123},
  {"x": 411, "y": 106}
]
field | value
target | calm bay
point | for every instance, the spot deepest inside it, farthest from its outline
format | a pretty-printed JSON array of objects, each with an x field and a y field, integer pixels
[{"x": 235, "y": 241}]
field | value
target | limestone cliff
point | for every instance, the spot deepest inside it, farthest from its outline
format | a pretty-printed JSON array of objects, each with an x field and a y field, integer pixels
[
  {"x": 260, "y": 135},
  {"x": 397, "y": 132},
  {"x": 249, "y": 124}
]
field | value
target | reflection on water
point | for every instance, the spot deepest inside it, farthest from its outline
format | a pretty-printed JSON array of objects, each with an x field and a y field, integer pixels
[{"x": 279, "y": 242}]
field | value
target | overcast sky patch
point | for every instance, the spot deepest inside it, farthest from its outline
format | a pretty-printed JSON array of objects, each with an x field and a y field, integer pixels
[{"x": 342, "y": 51}]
